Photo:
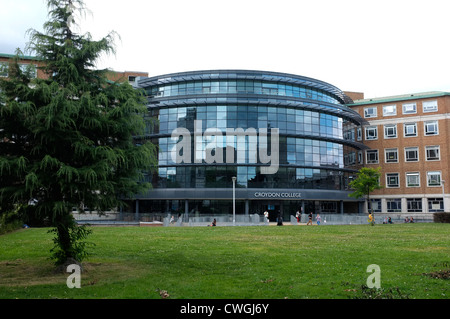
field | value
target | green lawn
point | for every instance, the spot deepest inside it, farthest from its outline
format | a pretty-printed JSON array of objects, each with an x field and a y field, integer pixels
[{"x": 234, "y": 262}]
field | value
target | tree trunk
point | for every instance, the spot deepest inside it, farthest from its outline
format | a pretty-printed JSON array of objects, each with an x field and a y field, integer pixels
[
  {"x": 63, "y": 224},
  {"x": 370, "y": 210}
]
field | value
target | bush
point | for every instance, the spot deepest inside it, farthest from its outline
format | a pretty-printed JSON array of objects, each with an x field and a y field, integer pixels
[
  {"x": 9, "y": 221},
  {"x": 441, "y": 217}
]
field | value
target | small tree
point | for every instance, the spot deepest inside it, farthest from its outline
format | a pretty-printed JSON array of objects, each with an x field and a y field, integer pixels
[
  {"x": 367, "y": 181},
  {"x": 68, "y": 141}
]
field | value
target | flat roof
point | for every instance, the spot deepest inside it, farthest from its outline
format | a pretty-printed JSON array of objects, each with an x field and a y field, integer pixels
[
  {"x": 403, "y": 97},
  {"x": 241, "y": 74},
  {"x": 24, "y": 57}
]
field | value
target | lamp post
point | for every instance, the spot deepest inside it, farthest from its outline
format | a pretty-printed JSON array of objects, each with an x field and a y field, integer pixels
[
  {"x": 234, "y": 200},
  {"x": 443, "y": 195}
]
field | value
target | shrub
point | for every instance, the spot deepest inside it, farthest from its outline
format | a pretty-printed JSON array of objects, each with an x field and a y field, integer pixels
[
  {"x": 441, "y": 217},
  {"x": 9, "y": 221}
]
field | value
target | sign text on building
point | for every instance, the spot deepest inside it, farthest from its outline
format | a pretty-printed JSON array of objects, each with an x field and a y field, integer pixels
[{"x": 277, "y": 195}]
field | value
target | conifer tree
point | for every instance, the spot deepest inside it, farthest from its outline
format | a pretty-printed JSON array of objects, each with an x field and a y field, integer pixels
[{"x": 69, "y": 140}]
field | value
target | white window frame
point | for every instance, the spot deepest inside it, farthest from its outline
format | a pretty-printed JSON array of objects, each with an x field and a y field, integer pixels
[
  {"x": 405, "y": 125},
  {"x": 410, "y": 205},
  {"x": 359, "y": 134},
  {"x": 409, "y": 108},
  {"x": 415, "y": 175},
  {"x": 434, "y": 173},
  {"x": 375, "y": 204},
  {"x": 24, "y": 66},
  {"x": 398, "y": 204},
  {"x": 431, "y": 148},
  {"x": 409, "y": 149},
  {"x": 373, "y": 161},
  {"x": 432, "y": 202},
  {"x": 429, "y": 106},
  {"x": 4, "y": 69},
  {"x": 387, "y": 127},
  {"x": 349, "y": 134},
  {"x": 434, "y": 128},
  {"x": 371, "y": 114},
  {"x": 388, "y": 175},
  {"x": 375, "y": 129},
  {"x": 390, "y": 150},
  {"x": 387, "y": 112},
  {"x": 352, "y": 158}
]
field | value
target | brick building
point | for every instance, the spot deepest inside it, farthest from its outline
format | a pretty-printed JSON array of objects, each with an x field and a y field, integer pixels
[
  {"x": 25, "y": 61},
  {"x": 408, "y": 136}
]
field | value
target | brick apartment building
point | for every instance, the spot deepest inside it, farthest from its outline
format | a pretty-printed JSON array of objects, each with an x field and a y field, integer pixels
[
  {"x": 129, "y": 76},
  {"x": 24, "y": 62},
  {"x": 409, "y": 138}
]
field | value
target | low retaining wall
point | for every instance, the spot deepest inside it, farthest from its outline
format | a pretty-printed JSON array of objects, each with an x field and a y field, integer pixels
[
  {"x": 241, "y": 220},
  {"x": 352, "y": 219},
  {"x": 222, "y": 220}
]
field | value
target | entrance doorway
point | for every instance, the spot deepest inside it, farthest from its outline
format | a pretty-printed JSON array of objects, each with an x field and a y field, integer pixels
[{"x": 273, "y": 208}]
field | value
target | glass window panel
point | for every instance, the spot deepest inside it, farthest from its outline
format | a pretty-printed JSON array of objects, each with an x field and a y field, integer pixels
[
  {"x": 432, "y": 153},
  {"x": 394, "y": 205},
  {"x": 412, "y": 179},
  {"x": 410, "y": 129},
  {"x": 389, "y": 110},
  {"x": 372, "y": 156},
  {"x": 371, "y": 133},
  {"x": 391, "y": 155},
  {"x": 411, "y": 154},
  {"x": 414, "y": 204},
  {"x": 392, "y": 180},
  {"x": 434, "y": 178},
  {"x": 390, "y": 131},
  {"x": 409, "y": 108},
  {"x": 431, "y": 128},
  {"x": 429, "y": 106},
  {"x": 435, "y": 205},
  {"x": 370, "y": 112}
]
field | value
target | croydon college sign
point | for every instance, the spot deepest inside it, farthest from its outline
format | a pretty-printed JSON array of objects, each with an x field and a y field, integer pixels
[{"x": 272, "y": 194}]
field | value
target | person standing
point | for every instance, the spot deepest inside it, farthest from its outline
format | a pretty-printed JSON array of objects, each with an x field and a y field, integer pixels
[
  {"x": 279, "y": 220},
  {"x": 309, "y": 219},
  {"x": 318, "y": 219},
  {"x": 297, "y": 215},
  {"x": 266, "y": 216}
]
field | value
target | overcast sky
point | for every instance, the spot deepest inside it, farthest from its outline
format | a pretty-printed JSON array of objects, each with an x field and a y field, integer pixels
[{"x": 381, "y": 48}]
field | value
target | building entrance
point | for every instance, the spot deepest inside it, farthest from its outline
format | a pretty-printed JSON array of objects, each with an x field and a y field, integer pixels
[{"x": 273, "y": 207}]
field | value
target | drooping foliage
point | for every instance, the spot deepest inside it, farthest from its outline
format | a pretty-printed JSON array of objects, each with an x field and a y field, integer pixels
[{"x": 68, "y": 140}]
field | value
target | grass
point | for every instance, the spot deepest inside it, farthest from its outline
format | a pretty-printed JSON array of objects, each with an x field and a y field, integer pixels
[{"x": 294, "y": 262}]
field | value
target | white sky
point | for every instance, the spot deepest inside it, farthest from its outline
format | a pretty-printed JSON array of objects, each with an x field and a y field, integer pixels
[{"x": 381, "y": 48}]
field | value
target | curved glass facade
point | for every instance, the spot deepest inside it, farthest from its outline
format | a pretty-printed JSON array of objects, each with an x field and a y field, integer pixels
[
  {"x": 276, "y": 133},
  {"x": 239, "y": 87}
]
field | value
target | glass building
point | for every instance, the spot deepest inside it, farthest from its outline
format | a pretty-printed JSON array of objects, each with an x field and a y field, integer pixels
[{"x": 289, "y": 141}]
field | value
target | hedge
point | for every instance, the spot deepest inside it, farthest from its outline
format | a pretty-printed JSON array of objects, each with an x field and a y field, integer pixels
[{"x": 441, "y": 217}]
